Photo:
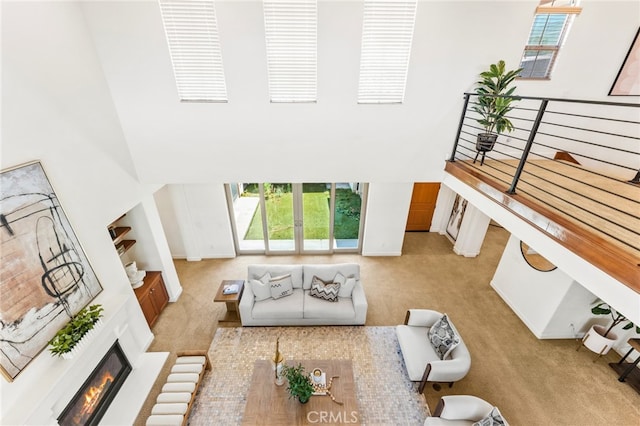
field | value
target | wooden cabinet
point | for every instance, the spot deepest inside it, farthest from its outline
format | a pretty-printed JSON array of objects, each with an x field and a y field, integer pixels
[{"x": 152, "y": 296}]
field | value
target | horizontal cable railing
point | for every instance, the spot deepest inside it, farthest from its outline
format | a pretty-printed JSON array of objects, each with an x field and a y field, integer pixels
[{"x": 579, "y": 159}]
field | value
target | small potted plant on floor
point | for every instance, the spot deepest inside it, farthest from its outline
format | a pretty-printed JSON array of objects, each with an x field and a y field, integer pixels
[
  {"x": 299, "y": 384},
  {"x": 600, "y": 339},
  {"x": 495, "y": 99},
  {"x": 68, "y": 337}
]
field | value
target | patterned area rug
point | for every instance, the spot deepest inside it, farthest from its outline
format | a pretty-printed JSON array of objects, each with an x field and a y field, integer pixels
[{"x": 384, "y": 392}]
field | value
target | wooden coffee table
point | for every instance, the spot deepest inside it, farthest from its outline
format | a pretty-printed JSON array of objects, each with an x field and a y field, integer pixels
[{"x": 268, "y": 404}]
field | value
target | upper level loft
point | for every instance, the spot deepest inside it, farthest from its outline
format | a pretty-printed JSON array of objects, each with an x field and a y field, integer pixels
[{"x": 570, "y": 168}]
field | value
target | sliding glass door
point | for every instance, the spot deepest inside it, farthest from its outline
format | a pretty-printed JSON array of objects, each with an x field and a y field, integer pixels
[{"x": 286, "y": 218}]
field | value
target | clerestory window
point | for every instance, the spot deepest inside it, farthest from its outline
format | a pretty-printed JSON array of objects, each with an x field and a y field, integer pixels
[
  {"x": 548, "y": 32},
  {"x": 291, "y": 31},
  {"x": 387, "y": 35},
  {"x": 194, "y": 45}
]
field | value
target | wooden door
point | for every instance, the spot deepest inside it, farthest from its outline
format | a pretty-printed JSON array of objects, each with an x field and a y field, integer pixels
[{"x": 423, "y": 203}]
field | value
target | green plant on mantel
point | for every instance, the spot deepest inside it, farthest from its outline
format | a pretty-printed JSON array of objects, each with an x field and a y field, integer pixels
[
  {"x": 603, "y": 308},
  {"x": 69, "y": 336},
  {"x": 299, "y": 385}
]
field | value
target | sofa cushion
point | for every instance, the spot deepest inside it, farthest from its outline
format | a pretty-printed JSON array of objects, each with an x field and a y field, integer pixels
[
  {"x": 281, "y": 286},
  {"x": 443, "y": 337},
  {"x": 170, "y": 408},
  {"x": 258, "y": 270},
  {"x": 327, "y": 272},
  {"x": 319, "y": 309},
  {"x": 179, "y": 387},
  {"x": 165, "y": 420},
  {"x": 416, "y": 349},
  {"x": 286, "y": 307},
  {"x": 191, "y": 359},
  {"x": 260, "y": 287},
  {"x": 494, "y": 418},
  {"x": 346, "y": 290},
  {"x": 324, "y": 291},
  {"x": 173, "y": 397},
  {"x": 187, "y": 368}
]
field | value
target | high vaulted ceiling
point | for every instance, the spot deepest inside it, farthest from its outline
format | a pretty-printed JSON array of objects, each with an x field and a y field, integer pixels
[{"x": 250, "y": 138}]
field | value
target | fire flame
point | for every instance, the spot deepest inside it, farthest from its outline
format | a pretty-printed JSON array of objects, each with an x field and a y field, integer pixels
[{"x": 92, "y": 398}]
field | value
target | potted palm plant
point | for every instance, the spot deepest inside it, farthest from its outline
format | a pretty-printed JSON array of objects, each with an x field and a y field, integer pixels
[
  {"x": 299, "y": 384},
  {"x": 495, "y": 100}
]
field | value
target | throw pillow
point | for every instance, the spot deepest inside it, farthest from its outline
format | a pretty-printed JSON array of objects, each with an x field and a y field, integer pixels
[
  {"x": 324, "y": 291},
  {"x": 281, "y": 286},
  {"x": 442, "y": 337},
  {"x": 494, "y": 418},
  {"x": 261, "y": 291},
  {"x": 347, "y": 288},
  {"x": 339, "y": 278}
]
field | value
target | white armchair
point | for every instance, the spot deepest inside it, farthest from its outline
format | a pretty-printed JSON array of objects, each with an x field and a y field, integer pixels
[
  {"x": 459, "y": 410},
  {"x": 422, "y": 362}
]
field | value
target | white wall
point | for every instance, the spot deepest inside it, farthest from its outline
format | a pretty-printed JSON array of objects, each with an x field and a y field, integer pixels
[
  {"x": 57, "y": 109},
  {"x": 386, "y": 218},
  {"x": 333, "y": 140},
  {"x": 537, "y": 297}
]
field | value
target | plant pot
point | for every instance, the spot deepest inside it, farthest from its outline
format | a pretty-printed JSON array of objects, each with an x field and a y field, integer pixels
[
  {"x": 83, "y": 342},
  {"x": 303, "y": 401},
  {"x": 486, "y": 141},
  {"x": 596, "y": 342}
]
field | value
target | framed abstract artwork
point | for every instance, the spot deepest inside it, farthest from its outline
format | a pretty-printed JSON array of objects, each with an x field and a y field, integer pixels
[
  {"x": 627, "y": 81},
  {"x": 45, "y": 276}
]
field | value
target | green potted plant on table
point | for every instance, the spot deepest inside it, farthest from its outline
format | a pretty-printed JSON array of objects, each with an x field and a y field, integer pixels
[
  {"x": 299, "y": 385},
  {"x": 495, "y": 99},
  {"x": 68, "y": 337}
]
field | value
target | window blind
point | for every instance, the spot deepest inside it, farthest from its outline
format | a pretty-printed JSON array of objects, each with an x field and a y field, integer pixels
[
  {"x": 291, "y": 39},
  {"x": 549, "y": 29},
  {"x": 387, "y": 35},
  {"x": 194, "y": 45}
]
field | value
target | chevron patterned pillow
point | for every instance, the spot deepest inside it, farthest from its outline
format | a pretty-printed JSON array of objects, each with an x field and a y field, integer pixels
[{"x": 324, "y": 291}]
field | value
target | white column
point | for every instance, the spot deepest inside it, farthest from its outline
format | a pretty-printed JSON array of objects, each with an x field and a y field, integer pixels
[
  {"x": 162, "y": 261},
  {"x": 472, "y": 232},
  {"x": 442, "y": 212},
  {"x": 185, "y": 222}
]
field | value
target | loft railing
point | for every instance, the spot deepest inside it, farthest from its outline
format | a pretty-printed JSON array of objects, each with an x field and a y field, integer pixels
[{"x": 577, "y": 159}]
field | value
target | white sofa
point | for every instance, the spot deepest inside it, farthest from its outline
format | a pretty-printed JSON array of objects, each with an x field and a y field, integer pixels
[
  {"x": 459, "y": 410},
  {"x": 300, "y": 308},
  {"x": 422, "y": 362}
]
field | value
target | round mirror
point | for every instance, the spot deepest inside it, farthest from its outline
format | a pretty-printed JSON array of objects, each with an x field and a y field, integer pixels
[{"x": 535, "y": 260}]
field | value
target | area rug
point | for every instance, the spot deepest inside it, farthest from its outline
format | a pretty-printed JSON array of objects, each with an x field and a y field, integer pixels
[{"x": 384, "y": 392}]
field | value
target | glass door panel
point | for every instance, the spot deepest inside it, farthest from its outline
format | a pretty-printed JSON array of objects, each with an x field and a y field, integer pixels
[
  {"x": 316, "y": 216},
  {"x": 278, "y": 206},
  {"x": 294, "y": 218},
  {"x": 347, "y": 212},
  {"x": 247, "y": 213}
]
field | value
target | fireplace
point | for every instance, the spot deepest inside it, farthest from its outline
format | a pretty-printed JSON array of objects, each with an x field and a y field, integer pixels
[{"x": 91, "y": 401}]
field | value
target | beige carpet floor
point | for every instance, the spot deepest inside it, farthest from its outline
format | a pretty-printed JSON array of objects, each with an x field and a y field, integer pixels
[{"x": 533, "y": 382}]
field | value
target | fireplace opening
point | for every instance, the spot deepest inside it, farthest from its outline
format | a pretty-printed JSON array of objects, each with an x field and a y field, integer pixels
[{"x": 93, "y": 398}]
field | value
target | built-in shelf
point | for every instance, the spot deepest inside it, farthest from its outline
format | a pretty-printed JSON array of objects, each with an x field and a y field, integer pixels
[
  {"x": 117, "y": 236},
  {"x": 120, "y": 232}
]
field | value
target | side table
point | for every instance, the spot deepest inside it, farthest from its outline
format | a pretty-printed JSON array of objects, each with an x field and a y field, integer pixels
[{"x": 232, "y": 300}]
